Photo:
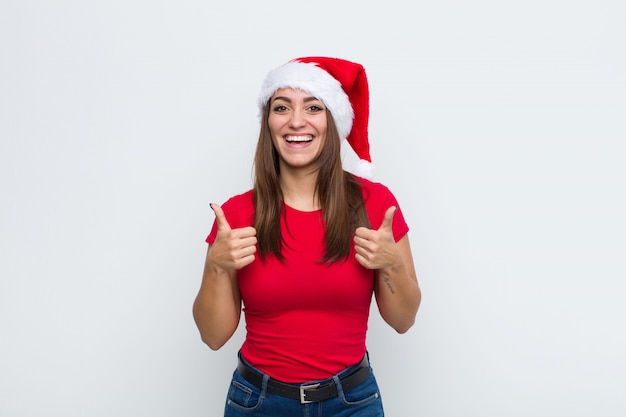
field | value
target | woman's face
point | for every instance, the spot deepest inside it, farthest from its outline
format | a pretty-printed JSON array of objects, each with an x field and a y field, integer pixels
[{"x": 298, "y": 125}]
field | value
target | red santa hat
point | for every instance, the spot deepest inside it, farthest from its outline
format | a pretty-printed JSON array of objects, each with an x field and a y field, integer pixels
[{"x": 342, "y": 86}]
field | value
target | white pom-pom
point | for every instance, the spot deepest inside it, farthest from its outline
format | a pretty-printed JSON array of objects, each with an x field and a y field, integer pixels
[
  {"x": 353, "y": 164},
  {"x": 361, "y": 168}
]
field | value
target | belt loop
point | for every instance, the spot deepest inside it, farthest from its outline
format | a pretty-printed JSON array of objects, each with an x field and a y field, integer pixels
[
  {"x": 338, "y": 385},
  {"x": 264, "y": 384}
]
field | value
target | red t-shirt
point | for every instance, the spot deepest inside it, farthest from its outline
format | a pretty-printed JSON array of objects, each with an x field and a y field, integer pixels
[{"x": 306, "y": 320}]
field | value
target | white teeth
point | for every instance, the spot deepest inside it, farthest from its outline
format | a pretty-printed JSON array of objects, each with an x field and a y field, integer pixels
[{"x": 299, "y": 138}]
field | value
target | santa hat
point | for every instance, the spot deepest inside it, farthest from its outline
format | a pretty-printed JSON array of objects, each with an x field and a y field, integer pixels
[{"x": 342, "y": 86}]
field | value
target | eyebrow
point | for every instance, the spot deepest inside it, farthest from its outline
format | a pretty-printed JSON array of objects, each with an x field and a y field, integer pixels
[{"x": 288, "y": 100}]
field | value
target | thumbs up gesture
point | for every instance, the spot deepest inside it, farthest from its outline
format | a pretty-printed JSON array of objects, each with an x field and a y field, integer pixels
[
  {"x": 233, "y": 248},
  {"x": 377, "y": 249}
]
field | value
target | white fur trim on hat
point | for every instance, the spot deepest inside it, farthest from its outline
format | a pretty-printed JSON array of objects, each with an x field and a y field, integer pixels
[{"x": 317, "y": 82}]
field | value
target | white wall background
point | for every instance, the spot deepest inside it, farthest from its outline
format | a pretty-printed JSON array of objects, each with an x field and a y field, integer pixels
[{"x": 500, "y": 127}]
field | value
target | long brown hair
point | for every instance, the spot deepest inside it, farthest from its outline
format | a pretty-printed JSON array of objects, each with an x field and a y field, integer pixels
[{"x": 338, "y": 191}]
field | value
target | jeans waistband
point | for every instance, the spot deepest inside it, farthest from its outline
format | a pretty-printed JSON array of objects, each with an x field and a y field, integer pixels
[{"x": 307, "y": 392}]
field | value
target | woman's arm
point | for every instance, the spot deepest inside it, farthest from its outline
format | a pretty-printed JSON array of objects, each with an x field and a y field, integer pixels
[
  {"x": 397, "y": 292},
  {"x": 217, "y": 307}
]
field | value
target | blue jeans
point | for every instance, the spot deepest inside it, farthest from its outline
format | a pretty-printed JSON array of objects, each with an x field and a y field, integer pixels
[{"x": 246, "y": 400}]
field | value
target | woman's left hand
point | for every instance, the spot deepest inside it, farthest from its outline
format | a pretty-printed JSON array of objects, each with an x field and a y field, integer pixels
[{"x": 377, "y": 249}]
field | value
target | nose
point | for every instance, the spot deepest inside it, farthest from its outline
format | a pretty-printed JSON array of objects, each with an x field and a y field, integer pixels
[{"x": 297, "y": 119}]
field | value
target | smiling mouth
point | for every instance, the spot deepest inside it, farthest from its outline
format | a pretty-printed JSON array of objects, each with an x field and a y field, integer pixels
[{"x": 299, "y": 139}]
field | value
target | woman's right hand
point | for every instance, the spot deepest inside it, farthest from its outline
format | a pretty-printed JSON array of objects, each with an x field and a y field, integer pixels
[
  {"x": 232, "y": 248},
  {"x": 217, "y": 307}
]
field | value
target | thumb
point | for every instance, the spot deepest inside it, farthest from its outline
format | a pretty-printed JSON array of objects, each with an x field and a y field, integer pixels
[
  {"x": 388, "y": 219},
  {"x": 222, "y": 223}
]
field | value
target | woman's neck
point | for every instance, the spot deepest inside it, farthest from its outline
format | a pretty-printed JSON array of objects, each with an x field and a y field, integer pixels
[{"x": 299, "y": 190}]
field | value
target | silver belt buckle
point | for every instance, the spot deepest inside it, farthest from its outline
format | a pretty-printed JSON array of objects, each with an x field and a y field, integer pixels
[{"x": 303, "y": 389}]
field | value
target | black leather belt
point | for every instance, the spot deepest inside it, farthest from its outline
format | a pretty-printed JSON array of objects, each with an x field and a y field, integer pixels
[{"x": 309, "y": 392}]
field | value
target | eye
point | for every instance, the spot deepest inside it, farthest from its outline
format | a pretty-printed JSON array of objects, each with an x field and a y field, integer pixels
[
  {"x": 315, "y": 108},
  {"x": 279, "y": 108}
]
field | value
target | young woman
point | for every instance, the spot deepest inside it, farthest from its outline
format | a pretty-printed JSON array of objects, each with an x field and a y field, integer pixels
[{"x": 304, "y": 251}]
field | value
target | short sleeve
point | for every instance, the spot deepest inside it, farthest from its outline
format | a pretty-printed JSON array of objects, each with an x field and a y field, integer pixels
[{"x": 378, "y": 198}]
